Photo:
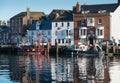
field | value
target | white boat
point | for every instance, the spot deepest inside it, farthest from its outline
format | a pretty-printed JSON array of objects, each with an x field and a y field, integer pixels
[{"x": 82, "y": 49}]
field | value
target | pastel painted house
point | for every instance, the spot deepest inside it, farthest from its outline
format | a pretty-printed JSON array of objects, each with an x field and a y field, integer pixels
[{"x": 40, "y": 32}]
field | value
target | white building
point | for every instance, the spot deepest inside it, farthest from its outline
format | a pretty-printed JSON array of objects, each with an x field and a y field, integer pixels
[
  {"x": 40, "y": 32},
  {"x": 63, "y": 28},
  {"x": 115, "y": 24}
]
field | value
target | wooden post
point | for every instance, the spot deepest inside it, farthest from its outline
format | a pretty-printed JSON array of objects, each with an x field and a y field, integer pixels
[
  {"x": 56, "y": 45},
  {"x": 107, "y": 48},
  {"x": 48, "y": 48},
  {"x": 114, "y": 49}
]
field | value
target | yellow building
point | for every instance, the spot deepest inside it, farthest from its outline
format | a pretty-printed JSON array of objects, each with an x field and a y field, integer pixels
[{"x": 21, "y": 22}]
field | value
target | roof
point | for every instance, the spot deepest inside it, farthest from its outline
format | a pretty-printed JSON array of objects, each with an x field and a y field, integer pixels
[
  {"x": 4, "y": 28},
  {"x": 99, "y": 8},
  {"x": 33, "y": 14},
  {"x": 61, "y": 15},
  {"x": 45, "y": 25}
]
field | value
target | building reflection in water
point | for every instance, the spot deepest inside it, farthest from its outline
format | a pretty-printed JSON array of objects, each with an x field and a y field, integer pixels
[
  {"x": 91, "y": 70},
  {"x": 62, "y": 70},
  {"x": 37, "y": 69},
  {"x": 46, "y": 69}
]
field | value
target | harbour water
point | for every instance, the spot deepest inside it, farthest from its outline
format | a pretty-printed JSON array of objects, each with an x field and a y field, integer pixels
[{"x": 39, "y": 68}]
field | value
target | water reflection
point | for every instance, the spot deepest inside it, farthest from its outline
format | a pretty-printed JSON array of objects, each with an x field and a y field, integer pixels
[
  {"x": 62, "y": 71},
  {"x": 91, "y": 70},
  {"x": 46, "y": 69},
  {"x": 37, "y": 69}
]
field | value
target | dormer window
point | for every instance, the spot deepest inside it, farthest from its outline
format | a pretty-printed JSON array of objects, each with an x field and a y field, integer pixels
[
  {"x": 101, "y": 11},
  {"x": 87, "y": 11}
]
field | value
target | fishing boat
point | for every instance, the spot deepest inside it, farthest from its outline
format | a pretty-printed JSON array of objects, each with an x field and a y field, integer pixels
[
  {"x": 82, "y": 49},
  {"x": 33, "y": 50}
]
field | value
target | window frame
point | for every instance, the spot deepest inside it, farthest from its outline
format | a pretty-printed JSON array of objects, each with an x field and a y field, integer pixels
[
  {"x": 56, "y": 24},
  {"x": 99, "y": 21},
  {"x": 82, "y": 32},
  {"x": 100, "y": 32},
  {"x": 90, "y": 21}
]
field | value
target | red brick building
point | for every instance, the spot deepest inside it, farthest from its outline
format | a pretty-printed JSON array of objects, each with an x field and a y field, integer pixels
[{"x": 92, "y": 17}]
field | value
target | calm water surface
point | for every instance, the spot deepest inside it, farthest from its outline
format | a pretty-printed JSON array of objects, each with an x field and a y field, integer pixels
[{"x": 46, "y": 69}]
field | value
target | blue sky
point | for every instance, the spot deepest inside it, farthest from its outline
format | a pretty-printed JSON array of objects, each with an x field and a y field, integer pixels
[{"x": 9, "y": 8}]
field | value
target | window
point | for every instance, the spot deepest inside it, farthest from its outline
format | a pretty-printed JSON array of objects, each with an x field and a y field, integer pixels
[
  {"x": 83, "y": 22},
  {"x": 118, "y": 41},
  {"x": 99, "y": 21},
  {"x": 82, "y": 32},
  {"x": 102, "y": 11},
  {"x": 69, "y": 40},
  {"x": 56, "y": 24},
  {"x": 67, "y": 33},
  {"x": 19, "y": 21},
  {"x": 66, "y": 40},
  {"x": 58, "y": 40},
  {"x": 62, "y": 24},
  {"x": 90, "y": 21},
  {"x": 87, "y": 11},
  {"x": 100, "y": 32},
  {"x": 55, "y": 33},
  {"x": 49, "y": 33},
  {"x": 13, "y": 21},
  {"x": 68, "y": 24},
  {"x": 63, "y": 41}
]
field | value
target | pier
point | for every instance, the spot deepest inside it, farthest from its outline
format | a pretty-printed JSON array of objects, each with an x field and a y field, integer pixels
[
  {"x": 112, "y": 50},
  {"x": 9, "y": 48}
]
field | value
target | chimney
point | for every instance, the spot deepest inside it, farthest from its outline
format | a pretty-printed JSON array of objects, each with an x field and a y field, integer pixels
[
  {"x": 3, "y": 23},
  {"x": 28, "y": 12},
  {"x": 78, "y": 7}
]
